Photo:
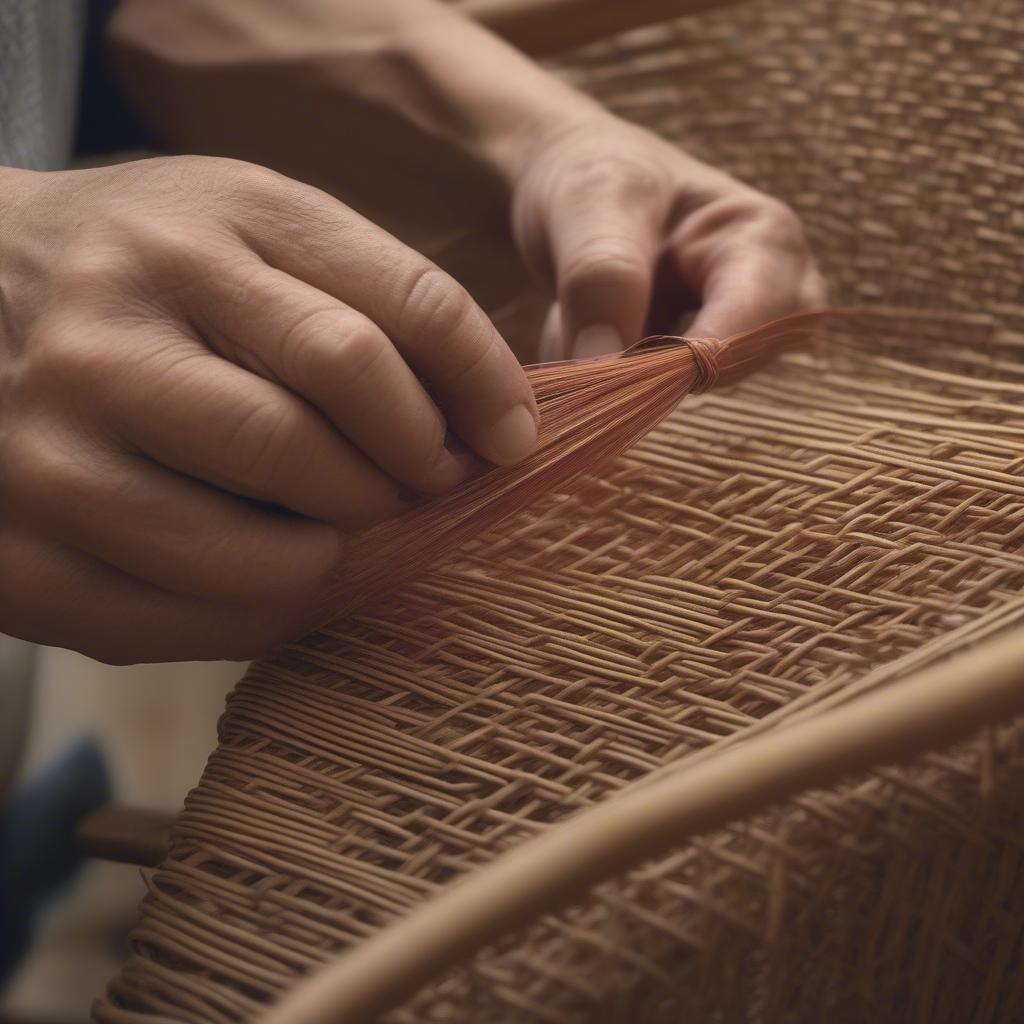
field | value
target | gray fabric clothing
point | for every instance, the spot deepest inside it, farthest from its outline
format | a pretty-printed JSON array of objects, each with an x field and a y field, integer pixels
[{"x": 40, "y": 59}]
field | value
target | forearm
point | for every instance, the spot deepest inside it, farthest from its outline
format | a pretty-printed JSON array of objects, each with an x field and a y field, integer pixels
[
  {"x": 454, "y": 79},
  {"x": 418, "y": 59}
]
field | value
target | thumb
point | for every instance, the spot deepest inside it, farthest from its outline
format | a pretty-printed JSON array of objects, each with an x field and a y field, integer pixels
[{"x": 604, "y": 264}]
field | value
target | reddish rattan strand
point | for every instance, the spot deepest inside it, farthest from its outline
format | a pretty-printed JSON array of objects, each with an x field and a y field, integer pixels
[{"x": 831, "y": 525}]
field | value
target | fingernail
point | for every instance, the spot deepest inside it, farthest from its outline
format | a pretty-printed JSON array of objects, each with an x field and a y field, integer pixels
[
  {"x": 513, "y": 436},
  {"x": 597, "y": 340}
]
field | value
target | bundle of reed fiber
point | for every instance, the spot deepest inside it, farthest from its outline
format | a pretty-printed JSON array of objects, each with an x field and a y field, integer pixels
[
  {"x": 589, "y": 411},
  {"x": 832, "y": 525},
  {"x": 838, "y": 520},
  {"x": 892, "y": 128}
]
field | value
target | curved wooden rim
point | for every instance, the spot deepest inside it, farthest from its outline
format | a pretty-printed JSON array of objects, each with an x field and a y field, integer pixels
[{"x": 545, "y": 875}]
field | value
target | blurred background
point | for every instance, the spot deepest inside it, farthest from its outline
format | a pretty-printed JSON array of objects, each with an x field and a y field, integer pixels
[{"x": 156, "y": 725}]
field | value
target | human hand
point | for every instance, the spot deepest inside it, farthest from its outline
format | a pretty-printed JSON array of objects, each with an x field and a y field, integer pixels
[
  {"x": 633, "y": 233},
  {"x": 208, "y": 373}
]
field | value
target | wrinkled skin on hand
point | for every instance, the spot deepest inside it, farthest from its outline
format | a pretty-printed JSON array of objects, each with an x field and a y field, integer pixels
[
  {"x": 208, "y": 375},
  {"x": 632, "y": 233}
]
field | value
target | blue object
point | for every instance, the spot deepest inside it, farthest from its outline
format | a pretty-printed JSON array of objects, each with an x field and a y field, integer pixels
[{"x": 38, "y": 851}]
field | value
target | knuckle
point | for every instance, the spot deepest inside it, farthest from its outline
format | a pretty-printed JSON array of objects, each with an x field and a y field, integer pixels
[
  {"x": 608, "y": 261},
  {"x": 85, "y": 270},
  {"x": 750, "y": 220},
  {"x": 590, "y": 177},
  {"x": 211, "y": 177},
  {"x": 74, "y": 358},
  {"x": 249, "y": 179},
  {"x": 434, "y": 305},
  {"x": 781, "y": 224},
  {"x": 328, "y": 343},
  {"x": 360, "y": 347},
  {"x": 259, "y": 444},
  {"x": 303, "y": 344},
  {"x": 625, "y": 179},
  {"x": 162, "y": 252},
  {"x": 778, "y": 211},
  {"x": 265, "y": 200},
  {"x": 170, "y": 244},
  {"x": 465, "y": 366},
  {"x": 172, "y": 256}
]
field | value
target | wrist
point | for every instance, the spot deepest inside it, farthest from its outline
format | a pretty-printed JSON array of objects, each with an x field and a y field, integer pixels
[
  {"x": 498, "y": 106},
  {"x": 530, "y": 130}
]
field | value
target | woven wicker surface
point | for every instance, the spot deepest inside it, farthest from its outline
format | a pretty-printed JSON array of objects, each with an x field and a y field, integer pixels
[{"x": 835, "y": 521}]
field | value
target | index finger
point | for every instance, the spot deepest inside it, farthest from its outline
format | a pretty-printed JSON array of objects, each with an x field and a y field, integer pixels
[
  {"x": 749, "y": 261},
  {"x": 431, "y": 319},
  {"x": 751, "y": 289}
]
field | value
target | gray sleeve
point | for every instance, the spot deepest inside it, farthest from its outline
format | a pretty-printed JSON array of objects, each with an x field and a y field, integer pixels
[{"x": 40, "y": 62}]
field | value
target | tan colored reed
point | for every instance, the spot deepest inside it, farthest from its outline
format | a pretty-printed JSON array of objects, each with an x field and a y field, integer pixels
[
  {"x": 590, "y": 410},
  {"x": 847, "y": 515},
  {"x": 828, "y": 527}
]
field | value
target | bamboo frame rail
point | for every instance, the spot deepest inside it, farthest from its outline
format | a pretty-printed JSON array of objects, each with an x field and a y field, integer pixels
[
  {"x": 773, "y": 551},
  {"x": 926, "y": 711}
]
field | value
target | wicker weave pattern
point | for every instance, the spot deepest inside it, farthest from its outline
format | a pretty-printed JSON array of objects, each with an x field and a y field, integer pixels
[
  {"x": 833, "y": 522},
  {"x": 776, "y": 550},
  {"x": 893, "y": 128}
]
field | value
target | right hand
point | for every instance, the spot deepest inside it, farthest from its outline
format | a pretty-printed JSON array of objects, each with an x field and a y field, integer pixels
[{"x": 208, "y": 373}]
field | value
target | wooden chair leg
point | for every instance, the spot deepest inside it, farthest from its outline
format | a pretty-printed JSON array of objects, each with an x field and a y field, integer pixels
[{"x": 129, "y": 835}]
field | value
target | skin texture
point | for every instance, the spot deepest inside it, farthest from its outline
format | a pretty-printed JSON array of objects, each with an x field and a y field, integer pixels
[
  {"x": 633, "y": 234},
  {"x": 208, "y": 374},
  {"x": 627, "y": 231}
]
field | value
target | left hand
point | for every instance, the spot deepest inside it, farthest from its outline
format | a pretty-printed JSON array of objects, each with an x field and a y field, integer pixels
[{"x": 633, "y": 233}]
